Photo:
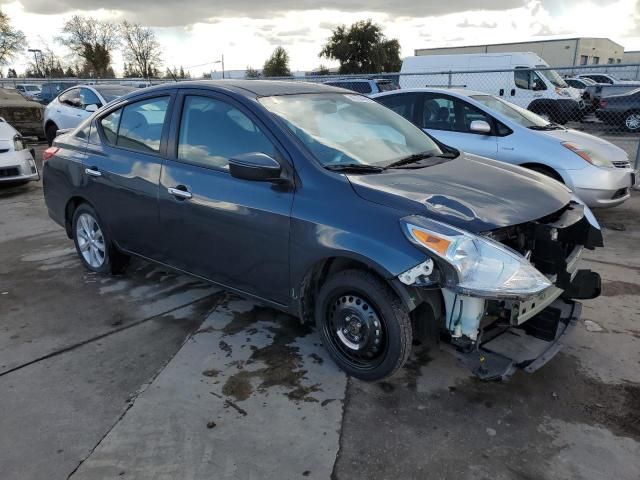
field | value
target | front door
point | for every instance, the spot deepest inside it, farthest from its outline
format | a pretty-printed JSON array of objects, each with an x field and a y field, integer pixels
[
  {"x": 231, "y": 231},
  {"x": 448, "y": 119}
]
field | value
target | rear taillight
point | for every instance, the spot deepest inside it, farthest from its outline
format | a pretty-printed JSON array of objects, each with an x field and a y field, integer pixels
[
  {"x": 49, "y": 152},
  {"x": 603, "y": 104}
]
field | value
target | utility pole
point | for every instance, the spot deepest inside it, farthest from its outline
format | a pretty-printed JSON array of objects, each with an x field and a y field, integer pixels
[{"x": 35, "y": 52}]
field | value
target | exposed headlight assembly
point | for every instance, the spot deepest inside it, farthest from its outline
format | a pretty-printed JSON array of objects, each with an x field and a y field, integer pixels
[
  {"x": 474, "y": 265},
  {"x": 588, "y": 155}
]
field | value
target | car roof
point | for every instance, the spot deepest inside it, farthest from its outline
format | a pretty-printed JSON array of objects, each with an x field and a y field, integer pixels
[
  {"x": 459, "y": 92},
  {"x": 251, "y": 88}
]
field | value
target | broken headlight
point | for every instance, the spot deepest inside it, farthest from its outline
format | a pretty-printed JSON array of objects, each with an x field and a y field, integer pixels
[{"x": 474, "y": 265}]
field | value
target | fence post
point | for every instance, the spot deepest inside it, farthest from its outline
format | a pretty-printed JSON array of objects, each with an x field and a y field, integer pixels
[{"x": 449, "y": 80}]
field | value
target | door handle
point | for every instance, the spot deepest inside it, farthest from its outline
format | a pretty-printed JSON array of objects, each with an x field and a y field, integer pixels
[
  {"x": 92, "y": 172},
  {"x": 513, "y": 92},
  {"x": 501, "y": 92},
  {"x": 180, "y": 192}
]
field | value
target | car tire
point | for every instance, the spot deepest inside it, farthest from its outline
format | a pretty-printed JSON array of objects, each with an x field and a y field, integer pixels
[
  {"x": 363, "y": 325},
  {"x": 51, "y": 132},
  {"x": 94, "y": 247},
  {"x": 632, "y": 121}
]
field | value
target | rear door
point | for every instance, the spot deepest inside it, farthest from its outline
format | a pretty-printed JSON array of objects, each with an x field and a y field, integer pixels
[
  {"x": 449, "y": 119},
  {"x": 122, "y": 170},
  {"x": 234, "y": 232}
]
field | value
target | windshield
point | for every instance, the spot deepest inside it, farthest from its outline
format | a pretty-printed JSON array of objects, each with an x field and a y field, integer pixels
[
  {"x": 342, "y": 129},
  {"x": 513, "y": 112},
  {"x": 553, "y": 77},
  {"x": 111, "y": 93}
]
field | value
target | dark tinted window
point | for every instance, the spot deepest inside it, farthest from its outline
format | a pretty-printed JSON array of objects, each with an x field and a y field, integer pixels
[
  {"x": 212, "y": 131},
  {"x": 71, "y": 98},
  {"x": 386, "y": 85},
  {"x": 528, "y": 80},
  {"x": 112, "y": 92},
  {"x": 451, "y": 114},
  {"x": 401, "y": 104},
  {"x": 87, "y": 97},
  {"x": 142, "y": 123},
  {"x": 355, "y": 86},
  {"x": 110, "y": 125}
]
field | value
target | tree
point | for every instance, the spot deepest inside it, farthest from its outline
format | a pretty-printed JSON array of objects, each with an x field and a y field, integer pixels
[
  {"x": 92, "y": 40},
  {"x": 46, "y": 64},
  {"x": 12, "y": 41},
  {"x": 69, "y": 72},
  {"x": 12, "y": 73},
  {"x": 141, "y": 48},
  {"x": 322, "y": 70},
  {"x": 363, "y": 48},
  {"x": 251, "y": 73},
  {"x": 181, "y": 75},
  {"x": 277, "y": 65}
]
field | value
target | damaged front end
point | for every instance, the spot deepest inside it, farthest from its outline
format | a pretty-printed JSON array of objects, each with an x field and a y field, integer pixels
[{"x": 509, "y": 294}]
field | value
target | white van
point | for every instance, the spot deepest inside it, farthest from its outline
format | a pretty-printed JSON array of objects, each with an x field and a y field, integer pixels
[{"x": 514, "y": 78}]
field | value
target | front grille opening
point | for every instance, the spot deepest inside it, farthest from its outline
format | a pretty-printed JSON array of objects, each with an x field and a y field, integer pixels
[
  {"x": 9, "y": 172},
  {"x": 622, "y": 164},
  {"x": 622, "y": 192}
]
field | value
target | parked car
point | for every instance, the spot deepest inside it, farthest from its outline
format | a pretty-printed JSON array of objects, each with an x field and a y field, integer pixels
[
  {"x": 604, "y": 78},
  {"x": 329, "y": 206},
  {"x": 621, "y": 110},
  {"x": 51, "y": 90},
  {"x": 596, "y": 170},
  {"x": 522, "y": 78},
  {"x": 25, "y": 115},
  {"x": 579, "y": 83},
  {"x": 17, "y": 162},
  {"x": 366, "y": 86},
  {"x": 72, "y": 106},
  {"x": 29, "y": 90}
]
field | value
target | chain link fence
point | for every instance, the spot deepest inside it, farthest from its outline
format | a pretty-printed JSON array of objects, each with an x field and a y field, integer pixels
[{"x": 598, "y": 99}]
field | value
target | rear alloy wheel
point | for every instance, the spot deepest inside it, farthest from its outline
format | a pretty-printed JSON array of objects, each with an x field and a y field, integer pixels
[
  {"x": 632, "y": 121},
  {"x": 51, "y": 132},
  {"x": 92, "y": 244},
  {"x": 363, "y": 325}
]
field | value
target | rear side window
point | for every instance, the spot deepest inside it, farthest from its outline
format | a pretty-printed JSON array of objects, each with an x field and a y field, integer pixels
[
  {"x": 212, "y": 131},
  {"x": 137, "y": 126},
  {"x": 71, "y": 98},
  {"x": 110, "y": 125},
  {"x": 403, "y": 104}
]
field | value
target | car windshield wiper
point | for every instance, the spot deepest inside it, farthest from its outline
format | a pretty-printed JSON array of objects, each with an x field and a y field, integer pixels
[
  {"x": 548, "y": 126},
  {"x": 354, "y": 167},
  {"x": 417, "y": 157}
]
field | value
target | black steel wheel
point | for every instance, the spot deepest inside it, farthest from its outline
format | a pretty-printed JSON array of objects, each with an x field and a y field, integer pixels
[{"x": 363, "y": 325}]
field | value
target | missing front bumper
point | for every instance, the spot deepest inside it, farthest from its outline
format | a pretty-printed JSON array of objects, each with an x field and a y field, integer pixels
[{"x": 528, "y": 346}]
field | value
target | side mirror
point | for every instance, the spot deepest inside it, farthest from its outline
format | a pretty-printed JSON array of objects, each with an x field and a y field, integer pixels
[
  {"x": 91, "y": 108},
  {"x": 255, "y": 166},
  {"x": 480, "y": 126}
]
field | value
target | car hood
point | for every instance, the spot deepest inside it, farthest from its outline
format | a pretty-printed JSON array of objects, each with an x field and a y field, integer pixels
[
  {"x": 589, "y": 142},
  {"x": 470, "y": 192}
]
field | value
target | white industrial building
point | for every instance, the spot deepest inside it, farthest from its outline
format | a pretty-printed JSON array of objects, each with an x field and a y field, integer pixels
[{"x": 556, "y": 52}]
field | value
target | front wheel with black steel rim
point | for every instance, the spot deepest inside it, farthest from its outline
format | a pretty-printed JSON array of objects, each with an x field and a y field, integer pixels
[
  {"x": 363, "y": 325},
  {"x": 92, "y": 243},
  {"x": 632, "y": 121}
]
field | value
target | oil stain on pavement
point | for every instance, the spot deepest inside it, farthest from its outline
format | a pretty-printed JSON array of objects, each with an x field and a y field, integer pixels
[{"x": 273, "y": 395}]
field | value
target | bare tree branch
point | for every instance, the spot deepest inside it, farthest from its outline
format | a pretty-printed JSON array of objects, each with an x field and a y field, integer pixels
[
  {"x": 12, "y": 41},
  {"x": 141, "y": 48}
]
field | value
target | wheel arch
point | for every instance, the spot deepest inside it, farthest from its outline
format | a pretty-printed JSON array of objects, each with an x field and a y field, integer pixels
[
  {"x": 552, "y": 172},
  {"x": 322, "y": 269},
  {"x": 70, "y": 207}
]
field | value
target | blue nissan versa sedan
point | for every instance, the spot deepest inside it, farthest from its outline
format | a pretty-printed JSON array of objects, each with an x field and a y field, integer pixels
[{"x": 327, "y": 205}]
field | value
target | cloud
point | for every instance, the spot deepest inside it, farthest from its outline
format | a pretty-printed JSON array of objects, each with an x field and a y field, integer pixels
[
  {"x": 467, "y": 24},
  {"x": 164, "y": 13}
]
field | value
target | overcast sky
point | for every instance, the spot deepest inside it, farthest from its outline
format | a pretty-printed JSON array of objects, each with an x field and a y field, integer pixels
[{"x": 195, "y": 32}]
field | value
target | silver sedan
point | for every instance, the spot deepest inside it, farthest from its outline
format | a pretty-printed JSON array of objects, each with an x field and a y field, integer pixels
[{"x": 596, "y": 170}]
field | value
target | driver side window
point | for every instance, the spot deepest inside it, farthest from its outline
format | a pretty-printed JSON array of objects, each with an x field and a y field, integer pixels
[
  {"x": 528, "y": 80},
  {"x": 71, "y": 98}
]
